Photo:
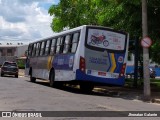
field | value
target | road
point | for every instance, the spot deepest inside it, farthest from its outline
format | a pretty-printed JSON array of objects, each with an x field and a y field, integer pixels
[{"x": 19, "y": 94}]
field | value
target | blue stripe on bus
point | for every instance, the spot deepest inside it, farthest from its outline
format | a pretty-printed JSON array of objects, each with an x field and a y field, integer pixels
[
  {"x": 63, "y": 61},
  {"x": 84, "y": 77},
  {"x": 119, "y": 63}
]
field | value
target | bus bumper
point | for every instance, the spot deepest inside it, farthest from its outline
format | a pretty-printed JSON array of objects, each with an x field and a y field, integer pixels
[{"x": 81, "y": 76}]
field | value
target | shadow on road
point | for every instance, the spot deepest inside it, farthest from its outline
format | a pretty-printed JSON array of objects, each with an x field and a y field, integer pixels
[
  {"x": 10, "y": 76},
  {"x": 105, "y": 91}
]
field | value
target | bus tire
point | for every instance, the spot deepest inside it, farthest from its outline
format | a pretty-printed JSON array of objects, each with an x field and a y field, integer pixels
[
  {"x": 52, "y": 77},
  {"x": 32, "y": 79},
  {"x": 86, "y": 87}
]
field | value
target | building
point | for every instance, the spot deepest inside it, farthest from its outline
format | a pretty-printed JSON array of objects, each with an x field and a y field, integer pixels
[{"x": 12, "y": 50}]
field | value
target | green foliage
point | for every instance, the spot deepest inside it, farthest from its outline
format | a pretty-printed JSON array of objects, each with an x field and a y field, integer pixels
[
  {"x": 119, "y": 14},
  {"x": 21, "y": 64}
]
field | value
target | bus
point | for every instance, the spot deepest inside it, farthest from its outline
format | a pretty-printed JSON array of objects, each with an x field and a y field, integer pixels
[{"x": 86, "y": 55}]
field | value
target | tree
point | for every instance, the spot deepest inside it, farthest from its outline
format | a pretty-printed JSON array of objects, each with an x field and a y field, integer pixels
[
  {"x": 119, "y": 14},
  {"x": 73, "y": 13}
]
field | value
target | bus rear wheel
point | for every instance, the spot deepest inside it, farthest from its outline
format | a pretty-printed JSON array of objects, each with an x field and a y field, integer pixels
[{"x": 86, "y": 87}]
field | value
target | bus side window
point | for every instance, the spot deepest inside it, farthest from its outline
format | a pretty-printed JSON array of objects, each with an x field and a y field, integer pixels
[
  {"x": 62, "y": 44},
  {"x": 47, "y": 47},
  {"x": 67, "y": 43},
  {"x": 42, "y": 48},
  {"x": 53, "y": 47},
  {"x": 37, "y": 49},
  {"x": 30, "y": 54},
  {"x": 75, "y": 41},
  {"x": 59, "y": 45},
  {"x": 30, "y": 49},
  {"x": 34, "y": 49}
]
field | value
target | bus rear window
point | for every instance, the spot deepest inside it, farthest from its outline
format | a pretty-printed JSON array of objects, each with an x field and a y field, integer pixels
[{"x": 106, "y": 39}]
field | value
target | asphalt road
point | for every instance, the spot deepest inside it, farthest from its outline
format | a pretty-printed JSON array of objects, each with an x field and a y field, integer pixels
[{"x": 19, "y": 94}]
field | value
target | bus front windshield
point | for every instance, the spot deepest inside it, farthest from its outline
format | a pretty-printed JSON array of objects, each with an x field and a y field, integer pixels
[{"x": 106, "y": 39}]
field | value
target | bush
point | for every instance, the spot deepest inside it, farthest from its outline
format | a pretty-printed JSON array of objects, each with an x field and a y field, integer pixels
[{"x": 21, "y": 64}]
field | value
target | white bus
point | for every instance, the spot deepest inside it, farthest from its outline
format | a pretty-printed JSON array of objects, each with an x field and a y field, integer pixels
[{"x": 85, "y": 55}]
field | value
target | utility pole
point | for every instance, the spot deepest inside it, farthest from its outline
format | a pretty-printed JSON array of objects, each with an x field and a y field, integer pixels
[{"x": 146, "y": 76}]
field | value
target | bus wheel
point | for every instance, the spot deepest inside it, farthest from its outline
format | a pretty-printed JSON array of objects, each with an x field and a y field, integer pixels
[
  {"x": 32, "y": 79},
  {"x": 51, "y": 81},
  {"x": 86, "y": 87}
]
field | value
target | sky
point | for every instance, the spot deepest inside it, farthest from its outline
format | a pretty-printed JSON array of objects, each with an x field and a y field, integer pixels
[{"x": 25, "y": 20}]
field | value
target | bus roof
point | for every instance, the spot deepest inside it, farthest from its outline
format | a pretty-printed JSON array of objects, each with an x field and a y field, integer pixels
[{"x": 68, "y": 30}]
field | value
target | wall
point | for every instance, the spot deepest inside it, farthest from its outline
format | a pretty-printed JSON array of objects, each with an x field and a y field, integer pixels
[
  {"x": 20, "y": 51},
  {"x": 17, "y": 52}
]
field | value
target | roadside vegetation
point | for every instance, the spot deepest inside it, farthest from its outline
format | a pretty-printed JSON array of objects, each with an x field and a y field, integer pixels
[
  {"x": 21, "y": 64},
  {"x": 154, "y": 82},
  {"x": 123, "y": 15}
]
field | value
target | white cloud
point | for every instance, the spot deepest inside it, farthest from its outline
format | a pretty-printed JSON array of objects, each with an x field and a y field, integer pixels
[{"x": 24, "y": 20}]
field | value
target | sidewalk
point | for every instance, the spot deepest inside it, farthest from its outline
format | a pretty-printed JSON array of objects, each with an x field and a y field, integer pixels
[
  {"x": 21, "y": 72},
  {"x": 130, "y": 93}
]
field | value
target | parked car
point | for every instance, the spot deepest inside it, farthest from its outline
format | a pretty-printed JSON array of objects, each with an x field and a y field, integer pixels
[{"x": 9, "y": 68}]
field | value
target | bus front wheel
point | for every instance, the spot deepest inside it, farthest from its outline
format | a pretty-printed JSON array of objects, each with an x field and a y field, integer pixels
[
  {"x": 52, "y": 77},
  {"x": 32, "y": 79},
  {"x": 86, "y": 87}
]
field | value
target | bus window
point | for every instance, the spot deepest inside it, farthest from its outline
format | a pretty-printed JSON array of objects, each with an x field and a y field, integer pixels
[
  {"x": 67, "y": 44},
  {"x": 59, "y": 45},
  {"x": 34, "y": 49},
  {"x": 53, "y": 47},
  {"x": 37, "y": 49},
  {"x": 30, "y": 49},
  {"x": 42, "y": 48},
  {"x": 75, "y": 42},
  {"x": 47, "y": 47}
]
